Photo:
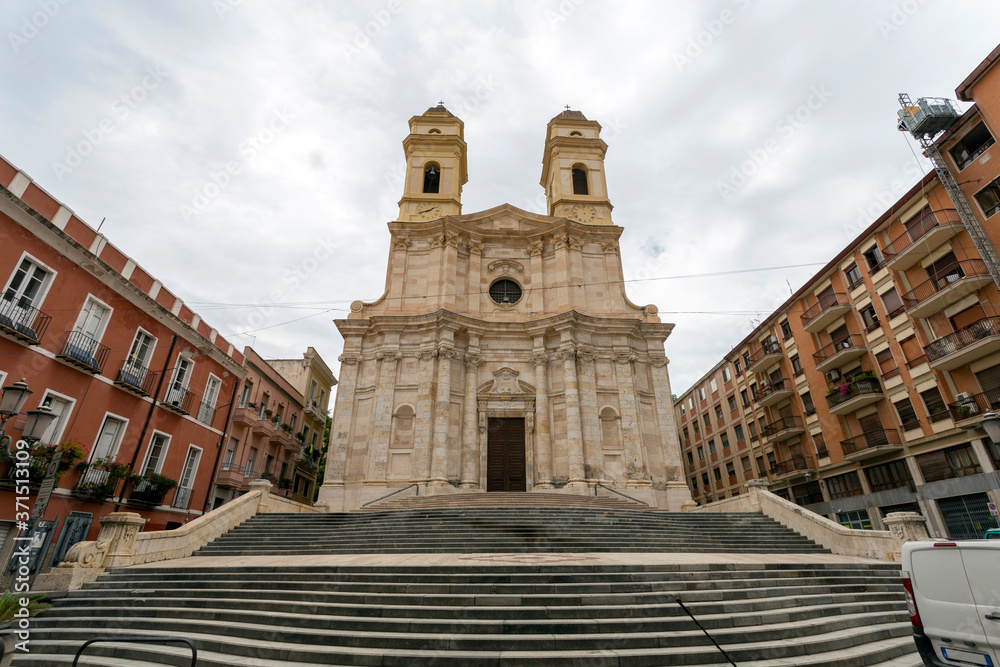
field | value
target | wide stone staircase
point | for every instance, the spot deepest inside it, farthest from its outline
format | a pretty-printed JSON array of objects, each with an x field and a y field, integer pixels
[
  {"x": 507, "y": 529},
  {"x": 492, "y": 586}
]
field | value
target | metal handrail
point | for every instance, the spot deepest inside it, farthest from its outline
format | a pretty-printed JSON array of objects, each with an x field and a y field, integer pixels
[
  {"x": 677, "y": 599},
  {"x": 372, "y": 502},
  {"x": 623, "y": 495},
  {"x": 140, "y": 640}
]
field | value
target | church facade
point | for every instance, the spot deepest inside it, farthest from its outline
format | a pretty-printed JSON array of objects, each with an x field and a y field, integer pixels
[{"x": 504, "y": 354}]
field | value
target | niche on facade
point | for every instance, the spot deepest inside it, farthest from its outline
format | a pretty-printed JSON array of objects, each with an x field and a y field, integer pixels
[
  {"x": 401, "y": 443},
  {"x": 611, "y": 444}
]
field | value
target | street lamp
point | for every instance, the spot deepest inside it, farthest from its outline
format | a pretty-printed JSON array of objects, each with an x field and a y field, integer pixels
[
  {"x": 37, "y": 423},
  {"x": 991, "y": 422},
  {"x": 11, "y": 402}
]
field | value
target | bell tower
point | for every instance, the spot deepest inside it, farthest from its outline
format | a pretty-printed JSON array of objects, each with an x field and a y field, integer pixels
[
  {"x": 573, "y": 170},
  {"x": 436, "y": 167}
]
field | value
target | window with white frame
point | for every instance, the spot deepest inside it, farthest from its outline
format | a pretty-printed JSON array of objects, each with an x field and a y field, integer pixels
[
  {"x": 177, "y": 390},
  {"x": 701, "y": 393},
  {"x": 188, "y": 473},
  {"x": 246, "y": 394},
  {"x": 61, "y": 407},
  {"x": 291, "y": 422},
  {"x": 726, "y": 375},
  {"x": 110, "y": 437},
  {"x": 157, "y": 452},
  {"x": 141, "y": 352},
  {"x": 27, "y": 286},
  {"x": 93, "y": 319},
  {"x": 714, "y": 385},
  {"x": 207, "y": 410}
]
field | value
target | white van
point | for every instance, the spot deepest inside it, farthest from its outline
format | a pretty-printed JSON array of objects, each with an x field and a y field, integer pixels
[{"x": 953, "y": 595}]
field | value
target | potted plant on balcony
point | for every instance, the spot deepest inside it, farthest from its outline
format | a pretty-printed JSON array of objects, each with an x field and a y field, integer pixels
[
  {"x": 99, "y": 488},
  {"x": 286, "y": 428},
  {"x": 301, "y": 437},
  {"x": 268, "y": 412},
  {"x": 269, "y": 477},
  {"x": 150, "y": 489}
]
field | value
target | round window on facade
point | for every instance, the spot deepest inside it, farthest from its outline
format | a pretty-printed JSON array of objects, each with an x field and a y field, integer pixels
[{"x": 505, "y": 291}]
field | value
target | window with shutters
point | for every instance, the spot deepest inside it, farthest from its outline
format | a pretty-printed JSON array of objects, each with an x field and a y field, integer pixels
[
  {"x": 718, "y": 413},
  {"x": 739, "y": 367},
  {"x": 752, "y": 427},
  {"x": 873, "y": 258},
  {"x": 820, "y": 444},
  {"x": 989, "y": 380},
  {"x": 892, "y": 475},
  {"x": 912, "y": 352},
  {"x": 694, "y": 483},
  {"x": 745, "y": 463},
  {"x": 744, "y": 398},
  {"x": 28, "y": 285},
  {"x": 807, "y": 404},
  {"x": 93, "y": 319},
  {"x": 711, "y": 446},
  {"x": 797, "y": 368},
  {"x": 690, "y": 459},
  {"x": 945, "y": 270},
  {"x": 717, "y": 473},
  {"x": 892, "y": 303},
  {"x": 870, "y": 318},
  {"x": 724, "y": 440},
  {"x": 701, "y": 453},
  {"x": 732, "y": 403},
  {"x": 704, "y": 479},
  {"x": 854, "y": 277},
  {"x": 713, "y": 385},
  {"x": 726, "y": 375},
  {"x": 989, "y": 199},
  {"x": 907, "y": 415},
  {"x": 948, "y": 464},
  {"x": 701, "y": 393},
  {"x": 969, "y": 316},
  {"x": 731, "y": 470},
  {"x": 738, "y": 430},
  {"x": 887, "y": 364},
  {"x": 786, "y": 330},
  {"x": 761, "y": 468},
  {"x": 937, "y": 411}
]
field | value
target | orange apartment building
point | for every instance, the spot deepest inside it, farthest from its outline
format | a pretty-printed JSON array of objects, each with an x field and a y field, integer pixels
[
  {"x": 865, "y": 392},
  {"x": 269, "y": 437},
  {"x": 134, "y": 376}
]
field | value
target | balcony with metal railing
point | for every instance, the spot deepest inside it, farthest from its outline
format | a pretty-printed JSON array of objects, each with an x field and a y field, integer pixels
[
  {"x": 973, "y": 407},
  {"x": 178, "y": 399},
  {"x": 836, "y": 354},
  {"x": 774, "y": 392},
  {"x": 20, "y": 320},
  {"x": 84, "y": 352},
  {"x": 230, "y": 476},
  {"x": 829, "y": 308},
  {"x": 136, "y": 378},
  {"x": 206, "y": 412},
  {"x": 964, "y": 346},
  {"x": 793, "y": 468},
  {"x": 868, "y": 445},
  {"x": 921, "y": 239},
  {"x": 783, "y": 429},
  {"x": 949, "y": 285},
  {"x": 769, "y": 353},
  {"x": 851, "y": 396}
]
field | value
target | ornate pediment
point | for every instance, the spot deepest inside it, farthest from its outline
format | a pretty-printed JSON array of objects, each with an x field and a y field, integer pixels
[{"x": 505, "y": 383}]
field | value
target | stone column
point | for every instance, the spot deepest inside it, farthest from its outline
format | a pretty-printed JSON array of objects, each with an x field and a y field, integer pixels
[
  {"x": 906, "y": 527},
  {"x": 474, "y": 270},
  {"x": 423, "y": 422},
  {"x": 673, "y": 465},
  {"x": 574, "y": 427},
  {"x": 589, "y": 414},
  {"x": 382, "y": 417},
  {"x": 537, "y": 297},
  {"x": 979, "y": 447},
  {"x": 470, "y": 423},
  {"x": 118, "y": 532},
  {"x": 543, "y": 440},
  {"x": 442, "y": 417},
  {"x": 635, "y": 461},
  {"x": 332, "y": 491}
]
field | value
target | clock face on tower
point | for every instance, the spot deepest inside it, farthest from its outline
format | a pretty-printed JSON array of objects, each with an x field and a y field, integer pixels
[
  {"x": 582, "y": 213},
  {"x": 428, "y": 211}
]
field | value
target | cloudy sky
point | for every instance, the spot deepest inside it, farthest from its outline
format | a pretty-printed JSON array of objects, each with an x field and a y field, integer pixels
[{"x": 248, "y": 153}]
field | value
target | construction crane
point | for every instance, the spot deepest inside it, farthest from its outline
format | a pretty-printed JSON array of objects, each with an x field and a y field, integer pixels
[{"x": 925, "y": 121}]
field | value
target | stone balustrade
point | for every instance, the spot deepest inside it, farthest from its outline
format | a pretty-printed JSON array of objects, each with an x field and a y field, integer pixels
[
  {"x": 120, "y": 544},
  {"x": 878, "y": 544}
]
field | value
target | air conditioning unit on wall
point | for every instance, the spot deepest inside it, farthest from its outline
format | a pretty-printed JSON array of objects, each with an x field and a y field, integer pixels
[
  {"x": 833, "y": 376},
  {"x": 964, "y": 397}
]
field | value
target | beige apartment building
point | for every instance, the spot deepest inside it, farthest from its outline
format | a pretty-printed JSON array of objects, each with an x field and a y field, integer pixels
[{"x": 865, "y": 392}]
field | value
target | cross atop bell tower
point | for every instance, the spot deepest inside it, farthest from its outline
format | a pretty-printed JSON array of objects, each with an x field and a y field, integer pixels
[
  {"x": 573, "y": 169},
  {"x": 436, "y": 166}
]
